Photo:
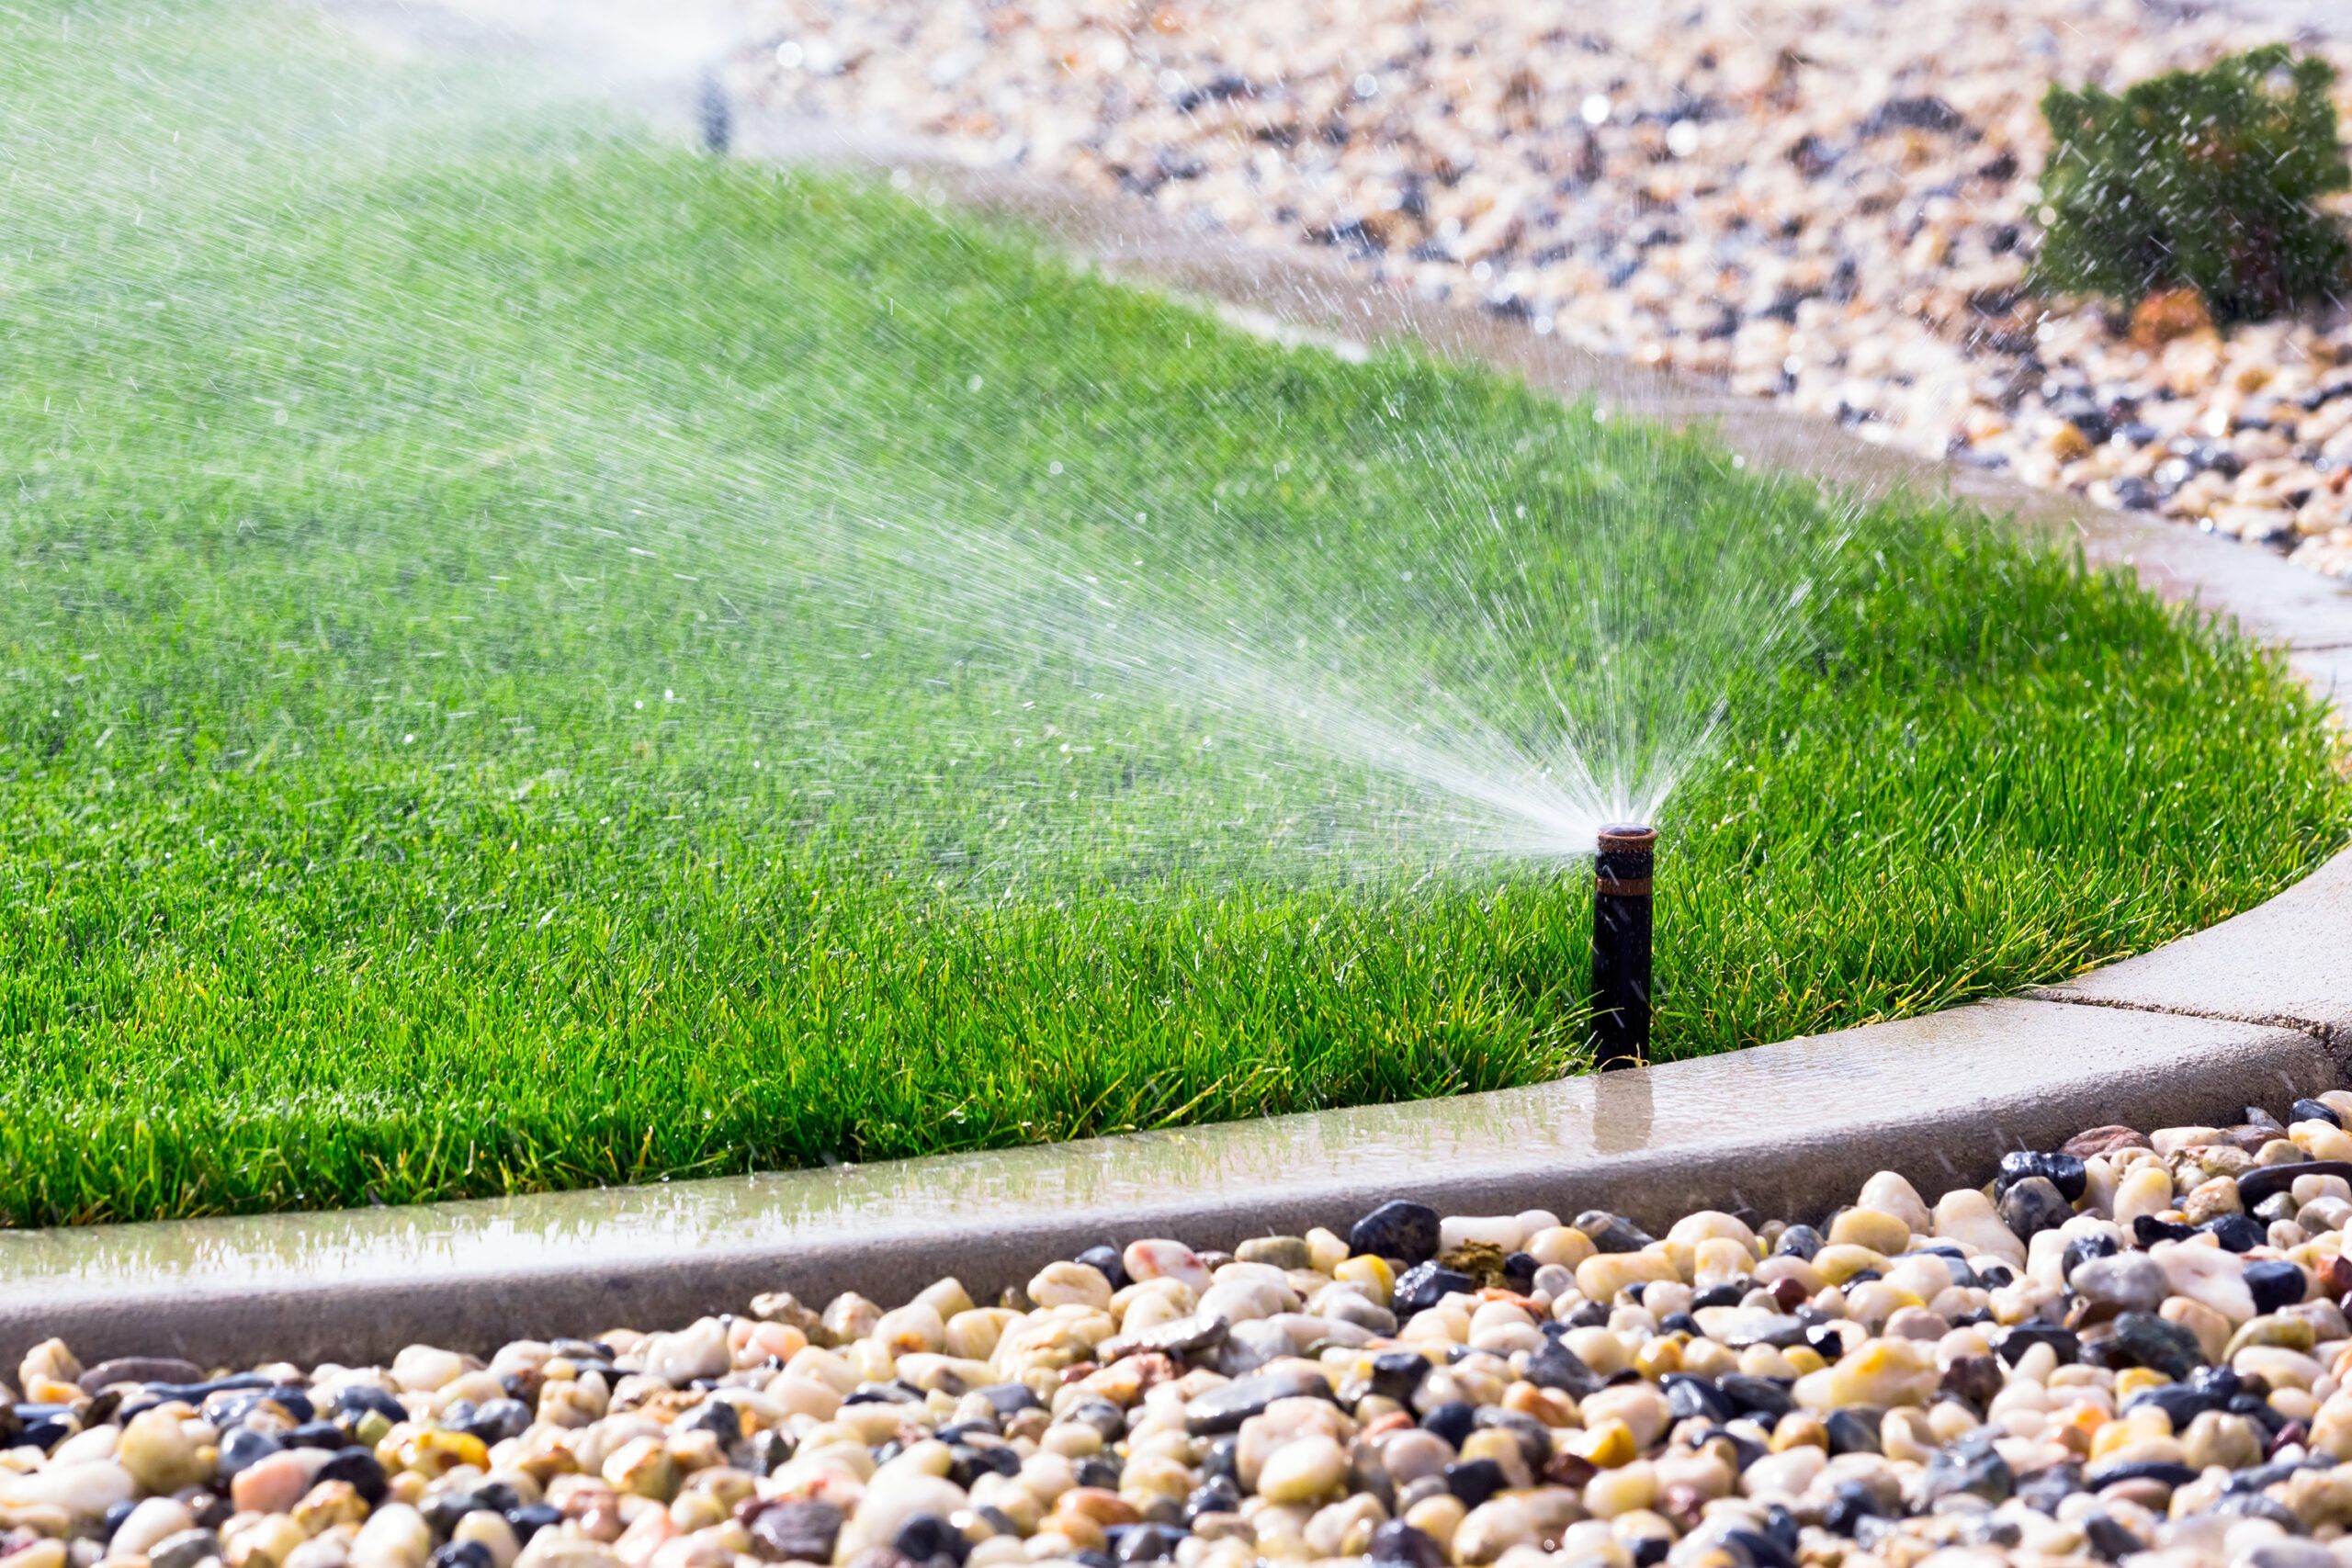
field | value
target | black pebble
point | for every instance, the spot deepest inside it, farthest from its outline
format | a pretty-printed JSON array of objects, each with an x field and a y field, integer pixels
[
  {"x": 1097, "y": 1471},
  {"x": 461, "y": 1554},
  {"x": 2083, "y": 1248},
  {"x": 2235, "y": 1233},
  {"x": 1612, "y": 1233},
  {"x": 1217, "y": 1495},
  {"x": 1475, "y": 1480},
  {"x": 443, "y": 1510},
  {"x": 1453, "y": 1421},
  {"x": 1396, "y": 1373},
  {"x": 1009, "y": 1398},
  {"x": 2065, "y": 1172},
  {"x": 1848, "y": 1507},
  {"x": 45, "y": 1432},
  {"x": 1854, "y": 1430},
  {"x": 927, "y": 1537},
  {"x": 315, "y": 1434},
  {"x": 2162, "y": 1472},
  {"x": 1424, "y": 1285},
  {"x": 357, "y": 1401},
  {"x": 1689, "y": 1397},
  {"x": 2045, "y": 1489},
  {"x": 1799, "y": 1241},
  {"x": 1755, "y": 1396},
  {"x": 2034, "y": 1204},
  {"x": 2143, "y": 1339},
  {"x": 532, "y": 1516},
  {"x": 1400, "y": 1542},
  {"x": 1107, "y": 1261},
  {"x": 500, "y": 1419},
  {"x": 1398, "y": 1228},
  {"x": 1556, "y": 1367},
  {"x": 2015, "y": 1342},
  {"x": 771, "y": 1451},
  {"x": 244, "y": 1447},
  {"x": 2109, "y": 1540},
  {"x": 2275, "y": 1284},
  {"x": 1149, "y": 1543},
  {"x": 359, "y": 1467},
  {"x": 1762, "y": 1550},
  {"x": 2312, "y": 1110}
]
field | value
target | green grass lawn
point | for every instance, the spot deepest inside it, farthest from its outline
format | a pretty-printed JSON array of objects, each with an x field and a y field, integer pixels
[{"x": 532, "y": 660}]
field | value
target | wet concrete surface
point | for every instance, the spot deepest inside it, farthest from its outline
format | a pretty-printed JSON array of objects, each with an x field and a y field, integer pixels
[
  {"x": 2289, "y": 962},
  {"x": 1784, "y": 1129}
]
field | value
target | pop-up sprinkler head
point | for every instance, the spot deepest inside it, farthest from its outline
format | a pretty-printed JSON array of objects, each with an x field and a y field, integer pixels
[
  {"x": 714, "y": 116},
  {"x": 1621, "y": 946}
]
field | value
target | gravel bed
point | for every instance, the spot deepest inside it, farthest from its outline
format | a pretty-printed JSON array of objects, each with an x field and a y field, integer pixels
[
  {"x": 1831, "y": 203},
  {"x": 2130, "y": 1349}
]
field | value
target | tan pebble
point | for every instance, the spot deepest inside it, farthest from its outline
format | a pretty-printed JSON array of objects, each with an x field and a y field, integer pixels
[
  {"x": 1639, "y": 1406},
  {"x": 1603, "y": 1276},
  {"x": 1437, "y": 1517},
  {"x": 2212, "y": 1330},
  {"x": 272, "y": 1484},
  {"x": 1490, "y": 1529},
  {"x": 1890, "y": 1193},
  {"x": 1841, "y": 1261},
  {"x": 161, "y": 1450},
  {"x": 1161, "y": 1260},
  {"x": 1563, "y": 1244},
  {"x": 1304, "y": 1471},
  {"x": 2144, "y": 1192}
]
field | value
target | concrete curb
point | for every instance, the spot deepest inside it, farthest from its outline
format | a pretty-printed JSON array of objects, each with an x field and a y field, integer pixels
[
  {"x": 2258, "y": 1009},
  {"x": 1775, "y": 1129}
]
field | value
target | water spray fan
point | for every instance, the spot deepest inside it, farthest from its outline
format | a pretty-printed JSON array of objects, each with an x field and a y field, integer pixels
[{"x": 1621, "y": 946}]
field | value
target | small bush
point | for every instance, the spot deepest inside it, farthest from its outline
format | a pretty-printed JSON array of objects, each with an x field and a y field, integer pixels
[{"x": 2205, "y": 179}]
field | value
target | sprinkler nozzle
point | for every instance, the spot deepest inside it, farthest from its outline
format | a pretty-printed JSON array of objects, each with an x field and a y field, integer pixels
[{"x": 1621, "y": 946}]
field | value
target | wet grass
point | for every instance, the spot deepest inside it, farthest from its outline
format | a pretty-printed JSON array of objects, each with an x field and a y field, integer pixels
[{"x": 452, "y": 742}]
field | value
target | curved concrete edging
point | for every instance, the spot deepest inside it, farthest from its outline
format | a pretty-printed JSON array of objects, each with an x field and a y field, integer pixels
[{"x": 2258, "y": 1009}]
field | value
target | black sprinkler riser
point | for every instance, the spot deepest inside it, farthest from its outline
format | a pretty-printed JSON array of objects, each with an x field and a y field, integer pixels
[
  {"x": 714, "y": 116},
  {"x": 1621, "y": 946}
]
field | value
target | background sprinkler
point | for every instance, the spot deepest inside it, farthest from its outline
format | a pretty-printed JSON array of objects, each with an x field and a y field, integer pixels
[
  {"x": 1621, "y": 946},
  {"x": 713, "y": 116}
]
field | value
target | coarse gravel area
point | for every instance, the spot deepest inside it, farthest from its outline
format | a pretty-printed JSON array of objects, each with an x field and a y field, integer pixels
[
  {"x": 1834, "y": 204},
  {"x": 2128, "y": 1348}
]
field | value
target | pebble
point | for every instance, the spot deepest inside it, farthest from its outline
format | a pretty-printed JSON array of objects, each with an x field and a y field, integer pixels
[{"x": 2008, "y": 1373}]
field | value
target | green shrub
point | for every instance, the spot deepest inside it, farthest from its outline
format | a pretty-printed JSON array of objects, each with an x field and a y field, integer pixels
[{"x": 2205, "y": 179}]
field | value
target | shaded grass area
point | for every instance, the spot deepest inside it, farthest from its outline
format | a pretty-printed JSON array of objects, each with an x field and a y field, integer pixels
[{"x": 459, "y": 735}]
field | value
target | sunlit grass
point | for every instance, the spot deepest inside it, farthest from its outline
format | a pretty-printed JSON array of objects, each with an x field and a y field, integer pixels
[{"x": 446, "y": 747}]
